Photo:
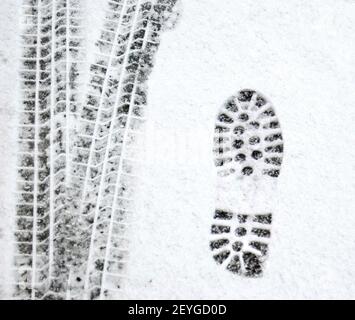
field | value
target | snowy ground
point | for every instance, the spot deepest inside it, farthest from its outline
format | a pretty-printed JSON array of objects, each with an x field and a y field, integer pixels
[
  {"x": 9, "y": 53},
  {"x": 300, "y": 54}
]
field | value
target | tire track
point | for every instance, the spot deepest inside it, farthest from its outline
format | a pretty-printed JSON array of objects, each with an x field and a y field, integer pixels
[
  {"x": 111, "y": 120},
  {"x": 49, "y": 89}
]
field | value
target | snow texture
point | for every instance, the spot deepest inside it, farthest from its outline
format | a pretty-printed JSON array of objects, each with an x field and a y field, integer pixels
[
  {"x": 75, "y": 161},
  {"x": 299, "y": 53}
]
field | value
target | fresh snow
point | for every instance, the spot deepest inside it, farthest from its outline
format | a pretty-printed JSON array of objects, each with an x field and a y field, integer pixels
[{"x": 300, "y": 54}]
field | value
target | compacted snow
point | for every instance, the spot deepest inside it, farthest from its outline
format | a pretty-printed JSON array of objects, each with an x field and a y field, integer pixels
[{"x": 300, "y": 55}]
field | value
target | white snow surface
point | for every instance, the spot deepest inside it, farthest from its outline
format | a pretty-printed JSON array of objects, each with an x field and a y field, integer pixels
[
  {"x": 300, "y": 54},
  {"x": 9, "y": 103}
]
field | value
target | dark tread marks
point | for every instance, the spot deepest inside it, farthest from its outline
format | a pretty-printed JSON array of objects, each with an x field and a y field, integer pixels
[
  {"x": 223, "y": 215},
  {"x": 51, "y": 55},
  {"x": 248, "y": 134},
  {"x": 110, "y": 122},
  {"x": 242, "y": 244}
]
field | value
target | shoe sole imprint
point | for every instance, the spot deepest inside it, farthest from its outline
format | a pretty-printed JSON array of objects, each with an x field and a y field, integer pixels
[
  {"x": 248, "y": 151},
  {"x": 49, "y": 87},
  {"x": 104, "y": 157}
]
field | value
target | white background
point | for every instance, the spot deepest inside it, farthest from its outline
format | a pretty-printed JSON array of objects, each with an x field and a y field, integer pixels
[{"x": 300, "y": 54}]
